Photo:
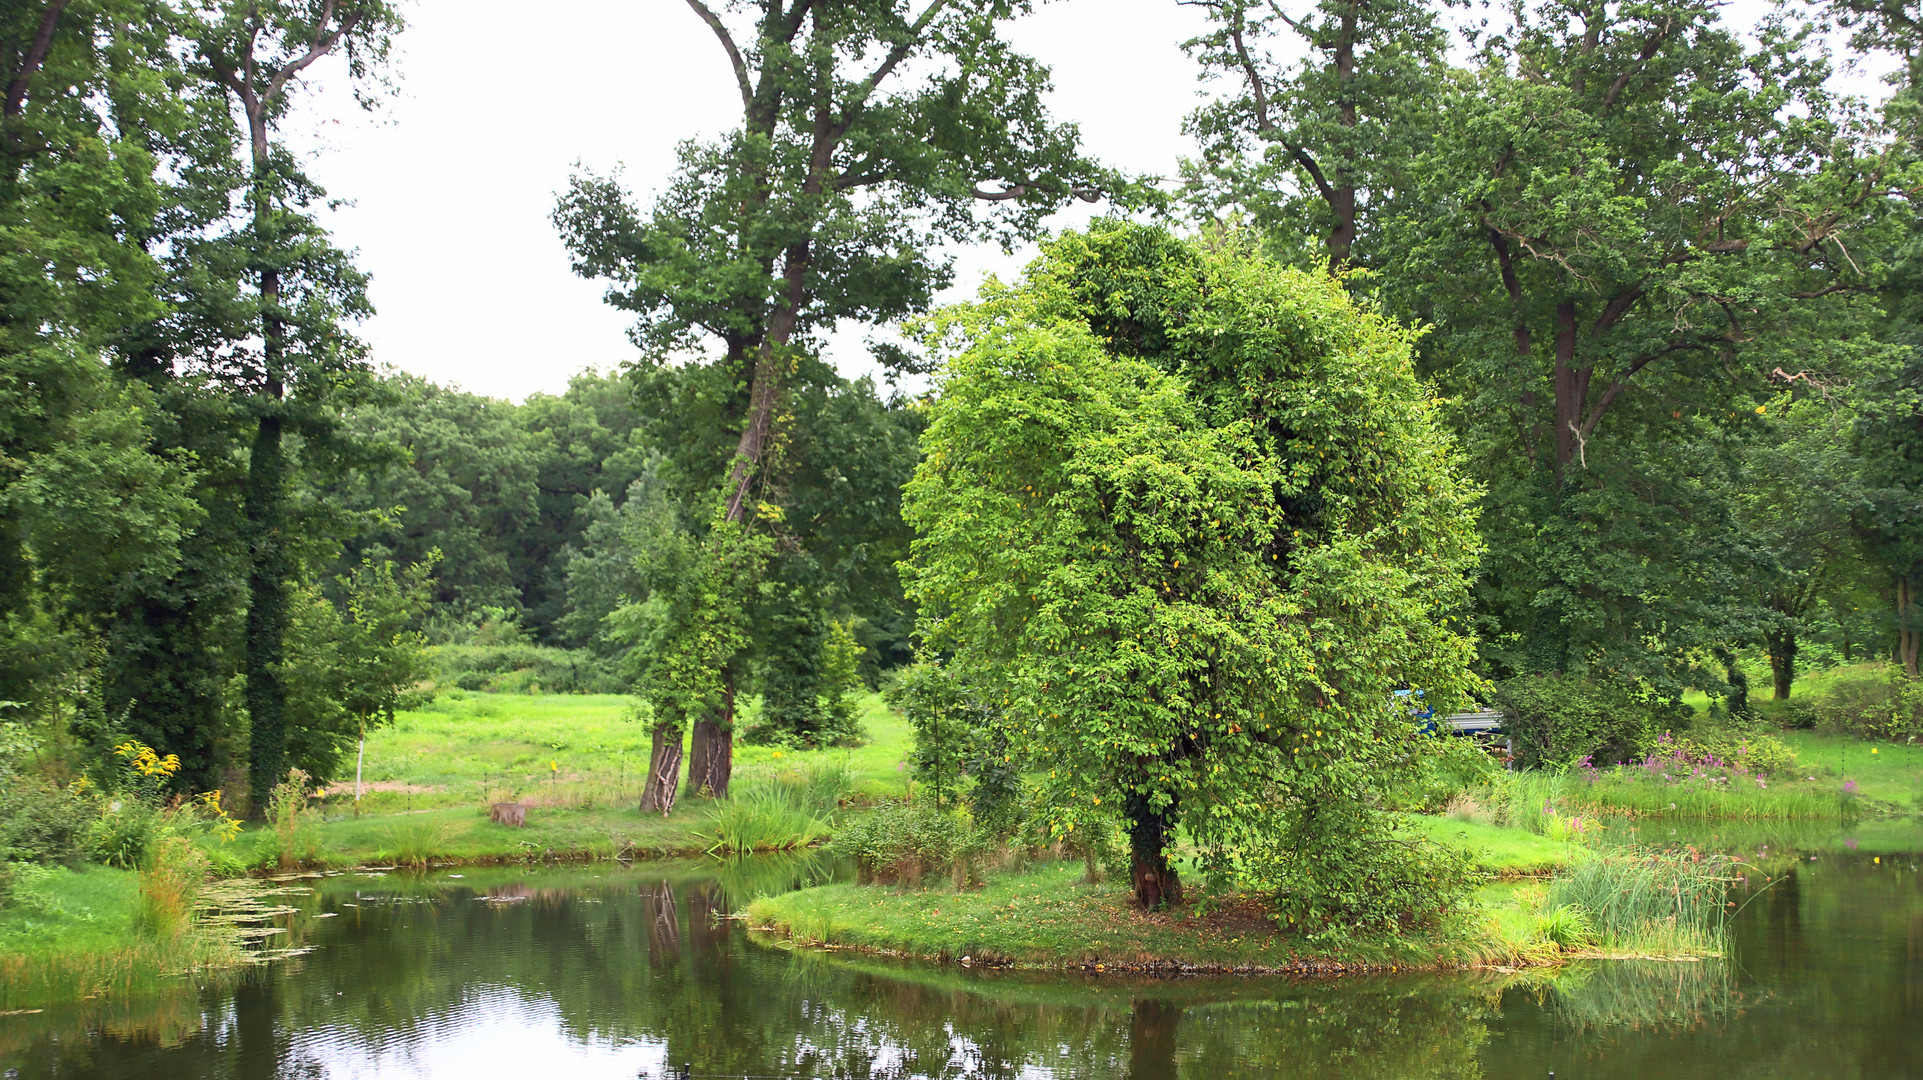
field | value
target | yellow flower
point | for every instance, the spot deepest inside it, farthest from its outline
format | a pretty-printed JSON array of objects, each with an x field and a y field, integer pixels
[
  {"x": 1760, "y": 409},
  {"x": 554, "y": 766}
]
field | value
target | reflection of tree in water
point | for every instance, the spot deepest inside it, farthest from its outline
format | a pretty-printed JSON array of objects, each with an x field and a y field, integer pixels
[
  {"x": 643, "y": 956},
  {"x": 1151, "y": 1040},
  {"x": 664, "y": 924}
]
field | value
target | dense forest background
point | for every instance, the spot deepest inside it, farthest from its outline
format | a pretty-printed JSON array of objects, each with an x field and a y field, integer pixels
[{"x": 1668, "y": 275}]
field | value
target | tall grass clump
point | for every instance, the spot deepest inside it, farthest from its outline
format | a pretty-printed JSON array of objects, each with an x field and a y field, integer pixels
[
  {"x": 287, "y": 812},
  {"x": 415, "y": 841},
  {"x": 170, "y": 887},
  {"x": 766, "y": 818},
  {"x": 1652, "y": 903}
]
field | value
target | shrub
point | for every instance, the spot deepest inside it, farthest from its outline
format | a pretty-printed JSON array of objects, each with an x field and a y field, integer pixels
[
  {"x": 1873, "y": 701},
  {"x": 1448, "y": 767},
  {"x": 902, "y": 841},
  {"x": 41, "y": 822},
  {"x": 1343, "y": 869},
  {"x": 1752, "y": 754},
  {"x": 1559, "y": 720},
  {"x": 520, "y": 668}
]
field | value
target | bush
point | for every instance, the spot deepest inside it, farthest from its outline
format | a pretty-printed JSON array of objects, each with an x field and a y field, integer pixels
[
  {"x": 1450, "y": 767},
  {"x": 1752, "y": 754},
  {"x": 1560, "y": 720},
  {"x": 522, "y": 668},
  {"x": 41, "y": 822},
  {"x": 1341, "y": 869},
  {"x": 1872, "y": 701},
  {"x": 901, "y": 842}
]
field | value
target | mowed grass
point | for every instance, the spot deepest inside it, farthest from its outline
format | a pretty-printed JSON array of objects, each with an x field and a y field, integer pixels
[
  {"x": 1503, "y": 850},
  {"x": 1887, "y": 774},
  {"x": 577, "y": 760},
  {"x": 1046, "y": 916},
  {"x": 564, "y": 749}
]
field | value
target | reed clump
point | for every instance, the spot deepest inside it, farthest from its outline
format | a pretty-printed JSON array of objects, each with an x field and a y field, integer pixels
[{"x": 1658, "y": 903}]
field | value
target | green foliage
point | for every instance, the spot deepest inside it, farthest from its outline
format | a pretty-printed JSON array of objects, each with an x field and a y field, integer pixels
[
  {"x": 350, "y": 665},
  {"x": 1340, "y": 869},
  {"x": 1873, "y": 701},
  {"x": 1187, "y": 519},
  {"x": 1568, "y": 927},
  {"x": 1563, "y": 720},
  {"x": 44, "y": 822},
  {"x": 522, "y": 668},
  {"x": 903, "y": 841}
]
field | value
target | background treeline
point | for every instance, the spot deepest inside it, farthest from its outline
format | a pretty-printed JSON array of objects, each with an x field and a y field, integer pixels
[{"x": 539, "y": 511}]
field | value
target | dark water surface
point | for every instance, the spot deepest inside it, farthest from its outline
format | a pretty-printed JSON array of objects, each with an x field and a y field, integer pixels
[{"x": 596, "y": 973}]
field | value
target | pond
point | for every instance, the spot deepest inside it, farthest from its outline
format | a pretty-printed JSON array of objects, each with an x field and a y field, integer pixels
[{"x": 600, "y": 972}]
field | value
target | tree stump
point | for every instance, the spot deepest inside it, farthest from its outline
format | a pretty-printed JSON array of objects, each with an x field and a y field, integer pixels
[{"x": 511, "y": 814}]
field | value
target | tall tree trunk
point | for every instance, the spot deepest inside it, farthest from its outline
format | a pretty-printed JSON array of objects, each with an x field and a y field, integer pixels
[
  {"x": 265, "y": 506},
  {"x": 1150, "y": 875},
  {"x": 711, "y": 755},
  {"x": 664, "y": 771},
  {"x": 1909, "y": 636},
  {"x": 265, "y": 499},
  {"x": 1783, "y": 647}
]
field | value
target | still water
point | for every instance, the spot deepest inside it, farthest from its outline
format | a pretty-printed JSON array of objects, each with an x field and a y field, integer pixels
[{"x": 503, "y": 973}]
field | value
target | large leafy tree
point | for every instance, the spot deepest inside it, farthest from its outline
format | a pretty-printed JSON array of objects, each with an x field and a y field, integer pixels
[
  {"x": 1627, "y": 218},
  {"x": 91, "y": 109},
  {"x": 1193, "y": 518},
  {"x": 271, "y": 299},
  {"x": 1330, "y": 106},
  {"x": 869, "y": 133}
]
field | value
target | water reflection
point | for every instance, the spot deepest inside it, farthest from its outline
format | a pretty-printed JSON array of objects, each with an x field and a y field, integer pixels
[{"x": 633, "y": 972}]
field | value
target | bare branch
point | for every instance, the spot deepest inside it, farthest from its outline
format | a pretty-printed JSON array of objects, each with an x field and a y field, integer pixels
[
  {"x": 35, "y": 56},
  {"x": 734, "y": 55},
  {"x": 320, "y": 45}
]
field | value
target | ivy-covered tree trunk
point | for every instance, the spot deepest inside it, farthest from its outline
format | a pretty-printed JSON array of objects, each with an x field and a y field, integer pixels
[
  {"x": 711, "y": 749},
  {"x": 1151, "y": 878},
  {"x": 664, "y": 771},
  {"x": 266, "y": 514}
]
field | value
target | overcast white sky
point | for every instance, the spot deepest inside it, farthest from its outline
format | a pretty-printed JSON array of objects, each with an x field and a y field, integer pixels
[{"x": 451, "y": 182}]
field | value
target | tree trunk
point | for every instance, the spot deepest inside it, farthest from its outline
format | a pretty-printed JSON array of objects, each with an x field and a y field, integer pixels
[
  {"x": 1150, "y": 876},
  {"x": 265, "y": 508},
  {"x": 1782, "y": 661},
  {"x": 1909, "y": 636},
  {"x": 713, "y": 759},
  {"x": 664, "y": 771},
  {"x": 664, "y": 925}
]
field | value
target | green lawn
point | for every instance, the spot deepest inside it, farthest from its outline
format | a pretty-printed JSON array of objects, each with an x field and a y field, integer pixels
[
  {"x": 577, "y": 760},
  {"x": 68, "y": 932},
  {"x": 1499, "y": 849},
  {"x": 1888, "y": 775}
]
